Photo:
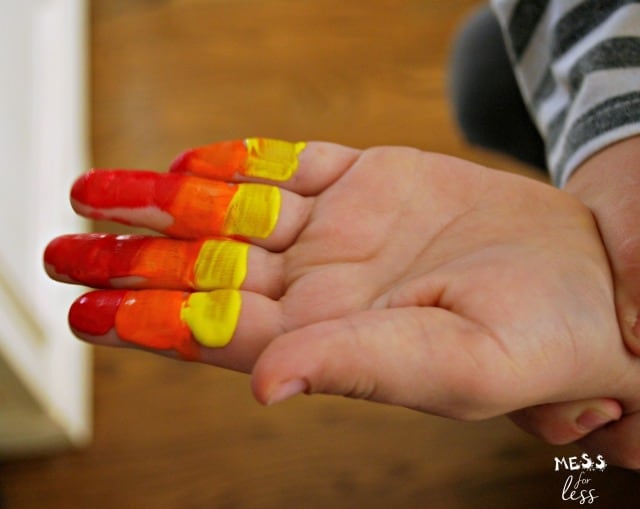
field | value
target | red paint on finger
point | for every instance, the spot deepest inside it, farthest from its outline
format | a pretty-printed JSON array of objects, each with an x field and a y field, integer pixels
[
  {"x": 95, "y": 313},
  {"x": 93, "y": 259},
  {"x": 104, "y": 189}
]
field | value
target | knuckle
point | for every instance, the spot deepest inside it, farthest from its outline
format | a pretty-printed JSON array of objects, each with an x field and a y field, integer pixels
[{"x": 475, "y": 400}]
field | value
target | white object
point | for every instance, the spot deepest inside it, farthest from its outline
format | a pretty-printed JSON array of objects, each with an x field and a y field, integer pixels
[{"x": 44, "y": 371}]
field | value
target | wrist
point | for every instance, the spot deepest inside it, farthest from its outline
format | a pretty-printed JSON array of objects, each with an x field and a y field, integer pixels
[
  {"x": 609, "y": 184},
  {"x": 612, "y": 172}
]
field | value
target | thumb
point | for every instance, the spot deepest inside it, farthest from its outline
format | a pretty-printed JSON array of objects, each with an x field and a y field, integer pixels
[
  {"x": 565, "y": 422},
  {"x": 419, "y": 357}
]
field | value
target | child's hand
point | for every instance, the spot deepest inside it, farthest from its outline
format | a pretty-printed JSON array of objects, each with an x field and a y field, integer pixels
[{"x": 393, "y": 275}]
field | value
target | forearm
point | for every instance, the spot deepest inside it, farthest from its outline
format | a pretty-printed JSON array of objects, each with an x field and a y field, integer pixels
[{"x": 611, "y": 173}]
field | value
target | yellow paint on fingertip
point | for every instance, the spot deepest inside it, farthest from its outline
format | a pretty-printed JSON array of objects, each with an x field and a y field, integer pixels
[
  {"x": 253, "y": 211},
  {"x": 213, "y": 316},
  {"x": 272, "y": 159},
  {"x": 221, "y": 264}
]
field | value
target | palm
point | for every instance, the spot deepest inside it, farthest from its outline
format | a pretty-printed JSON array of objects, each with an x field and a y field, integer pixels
[
  {"x": 492, "y": 289},
  {"x": 450, "y": 247}
]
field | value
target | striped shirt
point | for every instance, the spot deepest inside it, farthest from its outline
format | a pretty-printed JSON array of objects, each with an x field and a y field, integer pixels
[{"x": 578, "y": 67}]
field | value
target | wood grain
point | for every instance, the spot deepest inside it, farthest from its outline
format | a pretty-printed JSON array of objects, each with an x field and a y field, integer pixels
[{"x": 170, "y": 74}]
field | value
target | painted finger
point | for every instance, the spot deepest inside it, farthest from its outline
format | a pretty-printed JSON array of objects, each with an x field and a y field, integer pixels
[
  {"x": 228, "y": 328},
  {"x": 136, "y": 261},
  {"x": 190, "y": 207},
  {"x": 305, "y": 168}
]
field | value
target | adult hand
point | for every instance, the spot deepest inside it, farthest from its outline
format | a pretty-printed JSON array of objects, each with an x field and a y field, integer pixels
[
  {"x": 609, "y": 184},
  {"x": 394, "y": 275}
]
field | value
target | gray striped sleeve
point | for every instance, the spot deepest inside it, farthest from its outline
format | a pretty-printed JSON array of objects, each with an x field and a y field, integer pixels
[
  {"x": 578, "y": 66},
  {"x": 522, "y": 24}
]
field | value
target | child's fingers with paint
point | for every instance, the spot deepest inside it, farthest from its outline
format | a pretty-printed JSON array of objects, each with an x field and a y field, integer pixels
[
  {"x": 188, "y": 207},
  {"x": 103, "y": 260},
  {"x": 220, "y": 230},
  {"x": 227, "y": 327},
  {"x": 304, "y": 168}
]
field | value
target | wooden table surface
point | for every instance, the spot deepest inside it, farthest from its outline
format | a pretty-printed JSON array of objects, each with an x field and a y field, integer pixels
[{"x": 170, "y": 74}]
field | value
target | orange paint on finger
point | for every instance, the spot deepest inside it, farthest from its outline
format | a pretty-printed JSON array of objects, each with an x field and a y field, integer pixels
[
  {"x": 160, "y": 319},
  {"x": 199, "y": 208},
  {"x": 247, "y": 210},
  {"x": 151, "y": 318},
  {"x": 220, "y": 160},
  {"x": 164, "y": 263},
  {"x": 206, "y": 265},
  {"x": 266, "y": 158}
]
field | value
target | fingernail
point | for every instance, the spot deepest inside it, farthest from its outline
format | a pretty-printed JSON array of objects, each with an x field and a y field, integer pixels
[
  {"x": 592, "y": 419},
  {"x": 287, "y": 390}
]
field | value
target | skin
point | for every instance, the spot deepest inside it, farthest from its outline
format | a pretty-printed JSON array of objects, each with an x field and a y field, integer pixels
[
  {"x": 608, "y": 183},
  {"x": 420, "y": 280}
]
